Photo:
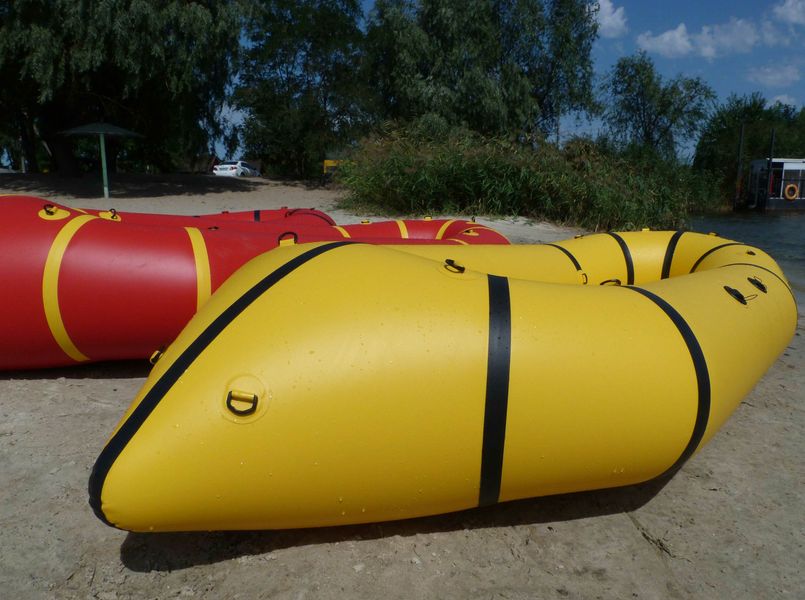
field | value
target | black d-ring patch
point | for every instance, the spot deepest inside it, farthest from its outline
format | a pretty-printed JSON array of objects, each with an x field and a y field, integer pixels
[
  {"x": 755, "y": 281},
  {"x": 244, "y": 398}
]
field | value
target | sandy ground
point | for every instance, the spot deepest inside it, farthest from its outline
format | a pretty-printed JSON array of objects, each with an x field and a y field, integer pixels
[{"x": 730, "y": 524}]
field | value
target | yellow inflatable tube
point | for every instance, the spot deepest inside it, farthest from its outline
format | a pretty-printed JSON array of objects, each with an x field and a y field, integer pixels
[{"x": 342, "y": 383}]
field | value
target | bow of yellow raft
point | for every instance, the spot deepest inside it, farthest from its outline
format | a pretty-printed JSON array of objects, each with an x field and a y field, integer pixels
[{"x": 341, "y": 383}]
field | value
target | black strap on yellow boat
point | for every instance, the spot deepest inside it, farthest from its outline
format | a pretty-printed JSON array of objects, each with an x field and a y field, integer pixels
[
  {"x": 627, "y": 256},
  {"x": 497, "y": 390},
  {"x": 710, "y": 251},
  {"x": 669, "y": 254},
  {"x": 572, "y": 258},
  {"x": 129, "y": 428},
  {"x": 702, "y": 377}
]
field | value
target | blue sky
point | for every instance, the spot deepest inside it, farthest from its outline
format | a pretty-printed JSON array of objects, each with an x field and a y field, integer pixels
[{"x": 736, "y": 46}]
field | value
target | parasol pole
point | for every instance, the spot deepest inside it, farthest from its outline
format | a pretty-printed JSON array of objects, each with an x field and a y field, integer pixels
[{"x": 103, "y": 168}]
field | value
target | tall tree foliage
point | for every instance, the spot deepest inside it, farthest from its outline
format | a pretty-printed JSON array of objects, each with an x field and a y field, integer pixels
[
  {"x": 160, "y": 68},
  {"x": 495, "y": 66},
  {"x": 396, "y": 59},
  {"x": 646, "y": 112},
  {"x": 299, "y": 86},
  {"x": 717, "y": 148},
  {"x": 564, "y": 70}
]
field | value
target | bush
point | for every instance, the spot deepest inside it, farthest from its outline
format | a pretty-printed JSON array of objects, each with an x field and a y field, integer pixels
[{"x": 426, "y": 169}]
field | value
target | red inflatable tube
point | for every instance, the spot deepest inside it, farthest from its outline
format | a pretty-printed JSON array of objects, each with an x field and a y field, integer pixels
[
  {"x": 290, "y": 216},
  {"x": 458, "y": 230},
  {"x": 306, "y": 216},
  {"x": 80, "y": 287}
]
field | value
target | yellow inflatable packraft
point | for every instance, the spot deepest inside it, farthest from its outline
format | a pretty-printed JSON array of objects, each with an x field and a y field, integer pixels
[{"x": 336, "y": 383}]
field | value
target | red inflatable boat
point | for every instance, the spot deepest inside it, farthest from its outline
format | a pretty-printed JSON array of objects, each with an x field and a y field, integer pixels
[
  {"x": 83, "y": 285},
  {"x": 289, "y": 216}
]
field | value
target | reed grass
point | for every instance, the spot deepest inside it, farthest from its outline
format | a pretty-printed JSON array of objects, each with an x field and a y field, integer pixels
[{"x": 406, "y": 171}]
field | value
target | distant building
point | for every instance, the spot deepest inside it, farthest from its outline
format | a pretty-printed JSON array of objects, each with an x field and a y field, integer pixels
[{"x": 785, "y": 188}]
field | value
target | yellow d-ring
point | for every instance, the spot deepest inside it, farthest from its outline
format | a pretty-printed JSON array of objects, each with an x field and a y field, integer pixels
[{"x": 791, "y": 192}]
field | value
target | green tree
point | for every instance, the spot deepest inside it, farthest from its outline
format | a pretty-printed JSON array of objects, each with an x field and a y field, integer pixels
[
  {"x": 646, "y": 112},
  {"x": 495, "y": 66},
  {"x": 463, "y": 46},
  {"x": 564, "y": 69},
  {"x": 299, "y": 86},
  {"x": 160, "y": 68},
  {"x": 396, "y": 60}
]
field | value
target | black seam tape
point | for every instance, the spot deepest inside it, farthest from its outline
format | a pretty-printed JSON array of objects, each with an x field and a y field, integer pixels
[
  {"x": 710, "y": 251},
  {"x": 257, "y": 215},
  {"x": 497, "y": 390},
  {"x": 627, "y": 256},
  {"x": 568, "y": 254},
  {"x": 702, "y": 377},
  {"x": 669, "y": 254},
  {"x": 146, "y": 406}
]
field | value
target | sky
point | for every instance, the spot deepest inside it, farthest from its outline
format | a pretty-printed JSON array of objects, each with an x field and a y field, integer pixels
[{"x": 736, "y": 46}]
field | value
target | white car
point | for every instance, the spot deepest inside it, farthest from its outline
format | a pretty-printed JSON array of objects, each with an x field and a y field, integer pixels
[{"x": 235, "y": 168}]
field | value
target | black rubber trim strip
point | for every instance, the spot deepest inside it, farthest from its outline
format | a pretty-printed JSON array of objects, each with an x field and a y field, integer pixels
[
  {"x": 702, "y": 377},
  {"x": 150, "y": 401},
  {"x": 257, "y": 215},
  {"x": 568, "y": 254},
  {"x": 627, "y": 256},
  {"x": 669, "y": 254},
  {"x": 710, "y": 251},
  {"x": 497, "y": 390}
]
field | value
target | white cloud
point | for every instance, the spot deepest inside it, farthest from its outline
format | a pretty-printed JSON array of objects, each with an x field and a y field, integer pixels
[
  {"x": 784, "y": 99},
  {"x": 611, "y": 20},
  {"x": 671, "y": 44},
  {"x": 772, "y": 35},
  {"x": 774, "y": 76},
  {"x": 791, "y": 11},
  {"x": 737, "y": 36}
]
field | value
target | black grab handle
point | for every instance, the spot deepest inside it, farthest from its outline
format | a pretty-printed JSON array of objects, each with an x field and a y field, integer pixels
[
  {"x": 241, "y": 397},
  {"x": 453, "y": 266}
]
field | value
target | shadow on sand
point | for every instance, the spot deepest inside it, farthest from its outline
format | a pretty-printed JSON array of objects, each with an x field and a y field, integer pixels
[
  {"x": 144, "y": 552},
  {"x": 123, "y": 369},
  {"x": 128, "y": 186}
]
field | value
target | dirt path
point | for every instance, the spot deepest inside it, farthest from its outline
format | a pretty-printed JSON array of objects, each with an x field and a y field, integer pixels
[{"x": 730, "y": 524}]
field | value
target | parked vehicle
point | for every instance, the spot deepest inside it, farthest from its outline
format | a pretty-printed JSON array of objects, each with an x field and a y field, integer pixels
[{"x": 235, "y": 168}]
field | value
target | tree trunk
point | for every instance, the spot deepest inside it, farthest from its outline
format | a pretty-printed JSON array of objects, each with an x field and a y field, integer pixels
[
  {"x": 64, "y": 161},
  {"x": 28, "y": 144}
]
